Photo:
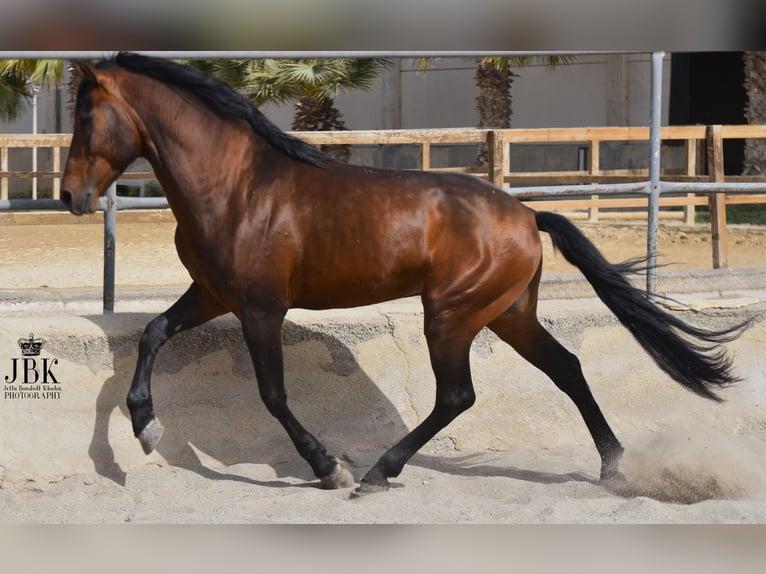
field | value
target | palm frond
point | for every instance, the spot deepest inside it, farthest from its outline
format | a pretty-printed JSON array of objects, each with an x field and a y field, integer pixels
[
  {"x": 500, "y": 63},
  {"x": 272, "y": 80},
  {"x": 41, "y": 72},
  {"x": 230, "y": 71},
  {"x": 12, "y": 96},
  {"x": 364, "y": 71},
  {"x": 314, "y": 73},
  {"x": 17, "y": 78},
  {"x": 262, "y": 83},
  {"x": 552, "y": 60}
]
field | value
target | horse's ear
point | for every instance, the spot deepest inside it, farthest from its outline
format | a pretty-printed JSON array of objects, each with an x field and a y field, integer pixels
[{"x": 85, "y": 70}]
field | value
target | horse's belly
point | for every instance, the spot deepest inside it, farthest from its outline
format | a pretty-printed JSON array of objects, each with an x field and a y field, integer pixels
[{"x": 333, "y": 293}]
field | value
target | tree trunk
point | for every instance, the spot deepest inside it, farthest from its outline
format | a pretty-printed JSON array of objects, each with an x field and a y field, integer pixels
[
  {"x": 494, "y": 100},
  {"x": 755, "y": 111},
  {"x": 320, "y": 114}
]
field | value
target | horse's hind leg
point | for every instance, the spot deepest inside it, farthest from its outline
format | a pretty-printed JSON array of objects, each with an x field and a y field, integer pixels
[
  {"x": 263, "y": 335},
  {"x": 194, "y": 307},
  {"x": 449, "y": 351},
  {"x": 521, "y": 329}
]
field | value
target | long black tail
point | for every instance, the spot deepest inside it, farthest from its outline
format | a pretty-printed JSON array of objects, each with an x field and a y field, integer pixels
[{"x": 693, "y": 361}]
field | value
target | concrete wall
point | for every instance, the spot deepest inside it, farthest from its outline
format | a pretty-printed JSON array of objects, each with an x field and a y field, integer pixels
[
  {"x": 593, "y": 90},
  {"x": 358, "y": 379}
]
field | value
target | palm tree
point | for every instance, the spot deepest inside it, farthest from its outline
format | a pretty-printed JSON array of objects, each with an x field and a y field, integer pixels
[
  {"x": 19, "y": 79},
  {"x": 494, "y": 78},
  {"x": 755, "y": 110},
  {"x": 312, "y": 84}
]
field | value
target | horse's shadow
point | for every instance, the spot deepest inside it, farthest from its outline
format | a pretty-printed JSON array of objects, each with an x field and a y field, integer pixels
[
  {"x": 206, "y": 396},
  {"x": 476, "y": 465}
]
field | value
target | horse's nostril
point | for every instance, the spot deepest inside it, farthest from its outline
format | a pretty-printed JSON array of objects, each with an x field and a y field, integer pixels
[{"x": 66, "y": 198}]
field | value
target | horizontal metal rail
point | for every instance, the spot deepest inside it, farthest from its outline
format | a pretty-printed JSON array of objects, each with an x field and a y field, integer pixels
[
  {"x": 284, "y": 54},
  {"x": 527, "y": 192},
  {"x": 586, "y": 189},
  {"x": 700, "y": 187},
  {"x": 120, "y": 203},
  {"x": 711, "y": 187},
  {"x": 31, "y": 205}
]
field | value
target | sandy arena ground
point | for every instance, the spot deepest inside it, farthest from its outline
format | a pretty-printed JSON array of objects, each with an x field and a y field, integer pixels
[{"x": 672, "y": 478}]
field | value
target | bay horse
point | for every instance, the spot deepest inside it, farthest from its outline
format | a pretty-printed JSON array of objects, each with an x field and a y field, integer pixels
[{"x": 266, "y": 222}]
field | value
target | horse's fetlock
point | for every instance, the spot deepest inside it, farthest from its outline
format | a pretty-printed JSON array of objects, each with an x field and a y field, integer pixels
[
  {"x": 275, "y": 402},
  {"x": 139, "y": 399}
]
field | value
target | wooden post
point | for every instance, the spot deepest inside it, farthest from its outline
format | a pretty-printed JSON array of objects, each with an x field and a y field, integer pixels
[
  {"x": 496, "y": 154},
  {"x": 56, "y": 167},
  {"x": 594, "y": 167},
  {"x": 691, "y": 169},
  {"x": 425, "y": 156},
  {"x": 717, "y": 201},
  {"x": 506, "y": 159}
]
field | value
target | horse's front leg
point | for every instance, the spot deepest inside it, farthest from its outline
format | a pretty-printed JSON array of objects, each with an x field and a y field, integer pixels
[
  {"x": 195, "y": 307},
  {"x": 263, "y": 335}
]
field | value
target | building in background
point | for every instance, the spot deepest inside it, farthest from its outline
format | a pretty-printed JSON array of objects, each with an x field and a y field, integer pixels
[{"x": 594, "y": 90}]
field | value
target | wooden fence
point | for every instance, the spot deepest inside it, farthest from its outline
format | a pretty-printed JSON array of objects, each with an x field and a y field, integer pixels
[
  {"x": 696, "y": 139},
  {"x": 53, "y": 141},
  {"x": 703, "y": 147},
  {"x": 56, "y": 143}
]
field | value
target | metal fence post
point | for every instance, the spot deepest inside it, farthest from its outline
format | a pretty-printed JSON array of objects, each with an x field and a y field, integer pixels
[
  {"x": 110, "y": 231},
  {"x": 654, "y": 169}
]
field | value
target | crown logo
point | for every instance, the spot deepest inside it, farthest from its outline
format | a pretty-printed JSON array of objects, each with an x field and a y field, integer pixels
[{"x": 31, "y": 347}]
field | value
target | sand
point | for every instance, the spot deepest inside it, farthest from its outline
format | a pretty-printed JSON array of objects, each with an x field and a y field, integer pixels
[{"x": 671, "y": 478}]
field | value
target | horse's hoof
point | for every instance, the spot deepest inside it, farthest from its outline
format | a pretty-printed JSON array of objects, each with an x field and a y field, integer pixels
[
  {"x": 612, "y": 475},
  {"x": 340, "y": 477},
  {"x": 151, "y": 435},
  {"x": 366, "y": 488},
  {"x": 610, "y": 466}
]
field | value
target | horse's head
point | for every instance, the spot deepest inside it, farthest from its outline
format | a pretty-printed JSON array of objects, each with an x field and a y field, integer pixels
[{"x": 105, "y": 141}]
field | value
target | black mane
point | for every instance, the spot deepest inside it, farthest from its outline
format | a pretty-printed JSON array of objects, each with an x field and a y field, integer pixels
[{"x": 223, "y": 100}]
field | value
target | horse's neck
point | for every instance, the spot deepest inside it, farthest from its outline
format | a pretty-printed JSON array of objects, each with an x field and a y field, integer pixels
[
  {"x": 175, "y": 143},
  {"x": 196, "y": 156}
]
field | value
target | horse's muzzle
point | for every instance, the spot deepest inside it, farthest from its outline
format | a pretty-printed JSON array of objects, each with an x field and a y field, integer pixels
[{"x": 77, "y": 208}]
